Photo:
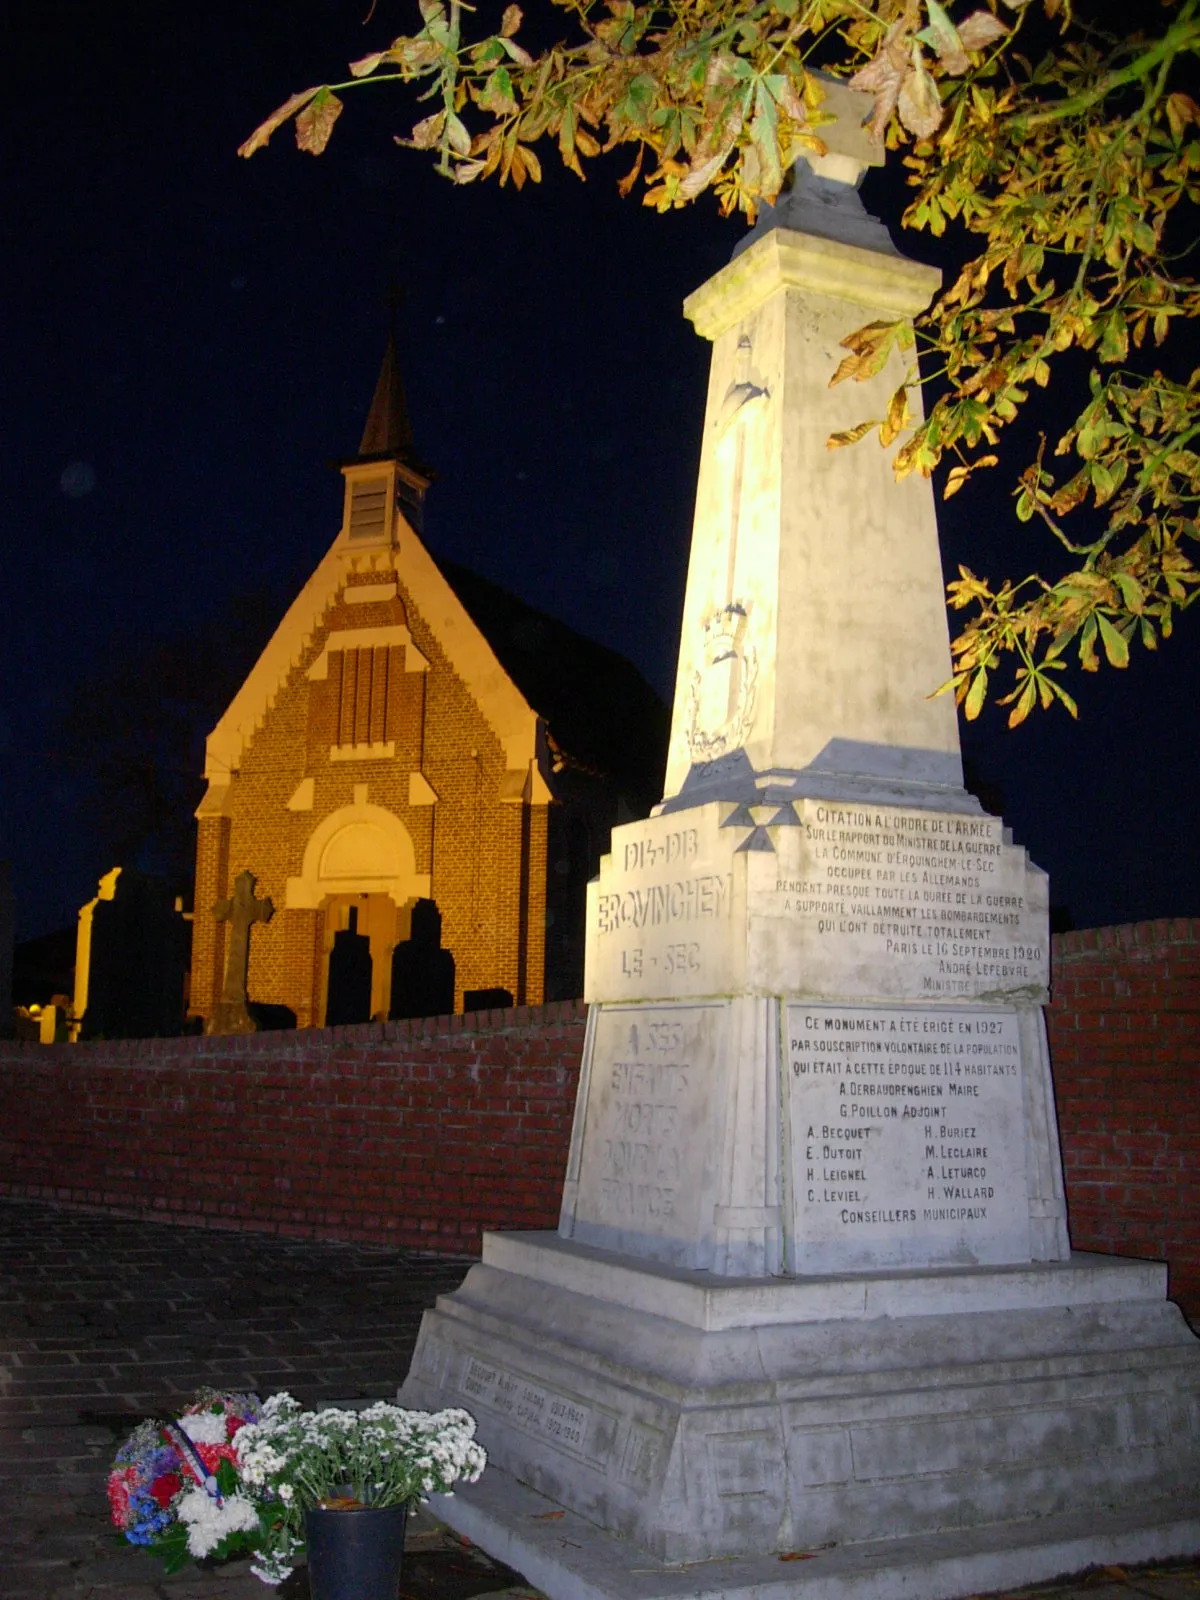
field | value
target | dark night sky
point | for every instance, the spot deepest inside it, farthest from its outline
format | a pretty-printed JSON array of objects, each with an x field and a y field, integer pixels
[{"x": 191, "y": 339}]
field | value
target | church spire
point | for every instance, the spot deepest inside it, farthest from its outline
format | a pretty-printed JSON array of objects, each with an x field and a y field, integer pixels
[
  {"x": 386, "y": 475},
  {"x": 388, "y": 431}
]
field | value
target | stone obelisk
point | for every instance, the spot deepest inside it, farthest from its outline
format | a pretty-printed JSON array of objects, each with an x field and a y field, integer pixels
[{"x": 812, "y": 1283}]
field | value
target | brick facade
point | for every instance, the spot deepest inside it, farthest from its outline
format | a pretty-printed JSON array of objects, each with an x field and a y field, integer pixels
[
  {"x": 481, "y": 851},
  {"x": 427, "y": 1133}
]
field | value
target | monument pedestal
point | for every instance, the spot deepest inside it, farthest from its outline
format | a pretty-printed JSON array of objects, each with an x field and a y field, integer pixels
[
  {"x": 812, "y": 1286},
  {"x": 702, "y": 1419}
]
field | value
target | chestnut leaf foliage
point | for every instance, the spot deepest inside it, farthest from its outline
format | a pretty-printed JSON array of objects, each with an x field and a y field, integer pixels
[{"x": 1066, "y": 160}]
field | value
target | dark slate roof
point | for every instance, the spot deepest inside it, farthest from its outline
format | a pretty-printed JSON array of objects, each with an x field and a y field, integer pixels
[{"x": 599, "y": 710}]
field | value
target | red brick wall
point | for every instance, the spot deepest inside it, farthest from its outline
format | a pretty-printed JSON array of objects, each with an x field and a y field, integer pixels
[
  {"x": 420, "y": 1134},
  {"x": 1125, "y": 1043},
  {"x": 428, "y": 1133}
]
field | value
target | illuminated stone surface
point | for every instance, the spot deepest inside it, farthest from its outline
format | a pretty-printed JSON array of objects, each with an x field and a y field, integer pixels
[{"x": 812, "y": 1283}]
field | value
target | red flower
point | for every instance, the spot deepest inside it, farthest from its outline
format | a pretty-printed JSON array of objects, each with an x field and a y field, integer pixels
[
  {"x": 165, "y": 1489},
  {"x": 120, "y": 1480},
  {"x": 213, "y": 1454}
]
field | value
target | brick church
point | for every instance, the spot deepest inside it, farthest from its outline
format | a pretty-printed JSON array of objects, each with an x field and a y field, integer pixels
[{"x": 420, "y": 771}]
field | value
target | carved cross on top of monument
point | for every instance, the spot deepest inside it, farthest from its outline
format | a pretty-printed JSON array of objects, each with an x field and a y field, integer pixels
[{"x": 242, "y": 910}]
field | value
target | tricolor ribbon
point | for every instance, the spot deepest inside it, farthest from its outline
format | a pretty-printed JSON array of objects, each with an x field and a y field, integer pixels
[{"x": 194, "y": 1460}]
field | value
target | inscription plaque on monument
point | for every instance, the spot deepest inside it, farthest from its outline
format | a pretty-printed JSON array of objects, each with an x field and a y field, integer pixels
[
  {"x": 647, "y": 1152},
  {"x": 830, "y": 901},
  {"x": 534, "y": 1407},
  {"x": 661, "y": 913},
  {"x": 931, "y": 904},
  {"x": 907, "y": 1137}
]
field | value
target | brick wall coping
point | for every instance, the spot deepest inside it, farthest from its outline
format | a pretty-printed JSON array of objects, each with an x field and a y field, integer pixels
[
  {"x": 287, "y": 1041},
  {"x": 1126, "y": 936}
]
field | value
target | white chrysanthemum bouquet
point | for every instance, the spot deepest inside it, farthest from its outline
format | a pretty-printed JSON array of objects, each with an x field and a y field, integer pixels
[{"x": 291, "y": 1461}]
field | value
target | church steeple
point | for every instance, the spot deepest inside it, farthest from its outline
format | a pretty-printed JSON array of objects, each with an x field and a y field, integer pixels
[
  {"x": 388, "y": 431},
  {"x": 386, "y": 475}
]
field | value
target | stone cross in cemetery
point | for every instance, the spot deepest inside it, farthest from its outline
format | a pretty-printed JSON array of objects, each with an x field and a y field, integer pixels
[
  {"x": 812, "y": 1274},
  {"x": 242, "y": 910}
]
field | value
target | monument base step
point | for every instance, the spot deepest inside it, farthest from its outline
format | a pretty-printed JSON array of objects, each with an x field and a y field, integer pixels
[
  {"x": 700, "y": 1417},
  {"x": 570, "y": 1559}
]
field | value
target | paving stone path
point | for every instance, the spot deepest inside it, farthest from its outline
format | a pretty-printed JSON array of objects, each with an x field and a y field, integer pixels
[{"x": 104, "y": 1320}]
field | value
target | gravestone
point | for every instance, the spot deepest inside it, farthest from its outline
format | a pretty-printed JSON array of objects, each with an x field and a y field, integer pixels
[
  {"x": 241, "y": 910},
  {"x": 422, "y": 971},
  {"x": 812, "y": 1283},
  {"x": 496, "y": 999},
  {"x": 131, "y": 959},
  {"x": 55, "y": 1021},
  {"x": 7, "y": 946},
  {"x": 349, "y": 993}
]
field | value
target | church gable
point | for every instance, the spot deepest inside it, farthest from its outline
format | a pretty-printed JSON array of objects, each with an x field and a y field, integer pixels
[
  {"x": 378, "y": 759},
  {"x": 385, "y": 777}
]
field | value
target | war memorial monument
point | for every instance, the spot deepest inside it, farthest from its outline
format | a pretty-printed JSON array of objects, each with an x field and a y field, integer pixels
[{"x": 812, "y": 1293}]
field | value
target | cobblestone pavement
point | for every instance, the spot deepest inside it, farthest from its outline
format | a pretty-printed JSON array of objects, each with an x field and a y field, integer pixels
[{"x": 105, "y": 1320}]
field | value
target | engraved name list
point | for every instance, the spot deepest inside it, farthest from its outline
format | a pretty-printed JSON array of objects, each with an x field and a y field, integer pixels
[{"x": 907, "y": 1125}]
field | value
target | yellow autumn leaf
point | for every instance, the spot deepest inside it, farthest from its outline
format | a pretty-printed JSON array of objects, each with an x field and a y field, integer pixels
[
  {"x": 315, "y": 123},
  {"x": 262, "y": 134},
  {"x": 860, "y": 430},
  {"x": 897, "y": 418}
]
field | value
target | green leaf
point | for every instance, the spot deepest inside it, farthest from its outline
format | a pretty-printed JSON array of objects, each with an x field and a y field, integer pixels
[
  {"x": 1025, "y": 704},
  {"x": 764, "y": 131},
  {"x": 1088, "y": 659},
  {"x": 172, "y": 1549},
  {"x": 497, "y": 94},
  {"x": 1114, "y": 343},
  {"x": 976, "y": 694},
  {"x": 1103, "y": 482},
  {"x": 1116, "y": 647},
  {"x": 1132, "y": 592}
]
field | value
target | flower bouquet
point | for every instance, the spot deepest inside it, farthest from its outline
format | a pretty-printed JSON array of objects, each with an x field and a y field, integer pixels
[
  {"x": 174, "y": 1488},
  {"x": 292, "y": 1462},
  {"x": 234, "y": 1476}
]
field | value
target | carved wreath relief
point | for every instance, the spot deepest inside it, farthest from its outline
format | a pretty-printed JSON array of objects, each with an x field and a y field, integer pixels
[
  {"x": 724, "y": 688},
  {"x": 723, "y": 692}
]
